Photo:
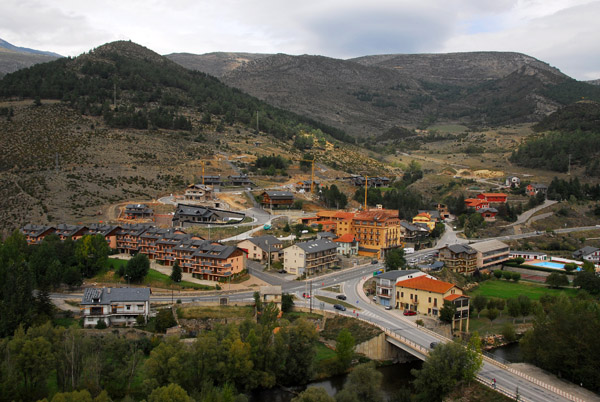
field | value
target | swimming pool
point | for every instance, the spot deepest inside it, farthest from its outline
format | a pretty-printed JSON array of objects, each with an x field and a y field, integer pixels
[
  {"x": 548, "y": 264},
  {"x": 552, "y": 265}
]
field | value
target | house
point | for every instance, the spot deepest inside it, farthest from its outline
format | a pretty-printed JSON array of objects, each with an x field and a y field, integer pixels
[
  {"x": 528, "y": 255},
  {"x": 359, "y": 181},
  {"x": 259, "y": 248},
  {"x": 491, "y": 253},
  {"x": 215, "y": 261},
  {"x": 190, "y": 215},
  {"x": 588, "y": 253},
  {"x": 343, "y": 220},
  {"x": 476, "y": 203},
  {"x": 459, "y": 258},
  {"x": 347, "y": 245},
  {"x": 276, "y": 199},
  {"x": 427, "y": 296},
  {"x": 311, "y": 257},
  {"x": 108, "y": 231},
  {"x": 425, "y": 218},
  {"x": 326, "y": 235},
  {"x": 271, "y": 294},
  {"x": 386, "y": 282},
  {"x": 305, "y": 185},
  {"x": 434, "y": 266},
  {"x": 75, "y": 232},
  {"x": 377, "y": 230},
  {"x": 137, "y": 211},
  {"x": 488, "y": 214},
  {"x": 129, "y": 237},
  {"x": 512, "y": 182},
  {"x": 34, "y": 234},
  {"x": 240, "y": 180},
  {"x": 198, "y": 192},
  {"x": 443, "y": 211},
  {"x": 116, "y": 306},
  {"x": 493, "y": 198},
  {"x": 534, "y": 189},
  {"x": 214, "y": 180},
  {"x": 325, "y": 226},
  {"x": 413, "y": 234}
]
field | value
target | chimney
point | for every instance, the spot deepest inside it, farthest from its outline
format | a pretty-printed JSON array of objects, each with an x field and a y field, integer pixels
[{"x": 108, "y": 290}]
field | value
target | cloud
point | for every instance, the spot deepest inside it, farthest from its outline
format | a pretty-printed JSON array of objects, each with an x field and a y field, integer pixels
[{"x": 561, "y": 32}]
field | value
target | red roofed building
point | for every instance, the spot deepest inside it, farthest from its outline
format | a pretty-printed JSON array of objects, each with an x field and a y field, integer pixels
[
  {"x": 377, "y": 230},
  {"x": 476, "y": 203},
  {"x": 427, "y": 296},
  {"x": 493, "y": 198},
  {"x": 347, "y": 244}
]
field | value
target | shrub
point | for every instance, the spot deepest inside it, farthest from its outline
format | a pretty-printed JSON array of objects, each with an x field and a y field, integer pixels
[
  {"x": 507, "y": 275},
  {"x": 498, "y": 274},
  {"x": 508, "y": 332},
  {"x": 101, "y": 324},
  {"x": 515, "y": 276}
]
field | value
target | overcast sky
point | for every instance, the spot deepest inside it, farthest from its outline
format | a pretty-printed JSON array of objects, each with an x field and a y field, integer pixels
[{"x": 563, "y": 33}]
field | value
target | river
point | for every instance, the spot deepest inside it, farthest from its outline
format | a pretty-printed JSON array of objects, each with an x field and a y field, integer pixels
[
  {"x": 395, "y": 377},
  {"x": 510, "y": 352}
]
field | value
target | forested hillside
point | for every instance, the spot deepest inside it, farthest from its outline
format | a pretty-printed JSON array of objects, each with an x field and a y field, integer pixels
[
  {"x": 574, "y": 135},
  {"x": 150, "y": 92}
]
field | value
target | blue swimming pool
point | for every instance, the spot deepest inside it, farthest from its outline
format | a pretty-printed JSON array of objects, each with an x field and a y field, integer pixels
[{"x": 548, "y": 264}]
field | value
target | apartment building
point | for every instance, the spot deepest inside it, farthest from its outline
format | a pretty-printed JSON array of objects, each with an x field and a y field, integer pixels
[
  {"x": 459, "y": 258},
  {"x": 115, "y": 306},
  {"x": 386, "y": 284},
  {"x": 491, "y": 253},
  {"x": 376, "y": 231},
  {"x": 259, "y": 248},
  {"x": 310, "y": 257}
]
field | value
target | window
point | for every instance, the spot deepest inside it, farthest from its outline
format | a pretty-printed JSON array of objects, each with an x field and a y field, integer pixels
[
  {"x": 430, "y": 300},
  {"x": 401, "y": 294},
  {"x": 128, "y": 307},
  {"x": 140, "y": 306}
]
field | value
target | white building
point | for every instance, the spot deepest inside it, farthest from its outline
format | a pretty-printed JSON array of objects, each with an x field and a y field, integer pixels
[
  {"x": 116, "y": 306},
  {"x": 310, "y": 257}
]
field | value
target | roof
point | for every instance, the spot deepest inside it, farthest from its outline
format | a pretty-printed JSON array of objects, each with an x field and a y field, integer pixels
[
  {"x": 279, "y": 194},
  {"x": 219, "y": 251},
  {"x": 397, "y": 274},
  {"x": 316, "y": 246},
  {"x": 191, "y": 210},
  {"x": 376, "y": 215},
  {"x": 98, "y": 228},
  {"x": 109, "y": 295},
  {"x": 35, "y": 230},
  {"x": 265, "y": 242},
  {"x": 68, "y": 230},
  {"x": 538, "y": 185},
  {"x": 455, "y": 296},
  {"x": 347, "y": 238},
  {"x": 459, "y": 248},
  {"x": 494, "y": 194},
  {"x": 413, "y": 227},
  {"x": 434, "y": 266},
  {"x": 326, "y": 235},
  {"x": 527, "y": 252},
  {"x": 492, "y": 210},
  {"x": 270, "y": 290},
  {"x": 425, "y": 283},
  {"x": 489, "y": 245},
  {"x": 432, "y": 213},
  {"x": 133, "y": 229},
  {"x": 584, "y": 251}
]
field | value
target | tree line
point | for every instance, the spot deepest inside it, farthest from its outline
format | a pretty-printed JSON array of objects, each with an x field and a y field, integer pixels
[{"x": 88, "y": 84}]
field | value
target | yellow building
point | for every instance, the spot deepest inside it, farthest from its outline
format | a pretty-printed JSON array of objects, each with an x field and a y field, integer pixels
[
  {"x": 426, "y": 296},
  {"x": 426, "y": 218},
  {"x": 376, "y": 231}
]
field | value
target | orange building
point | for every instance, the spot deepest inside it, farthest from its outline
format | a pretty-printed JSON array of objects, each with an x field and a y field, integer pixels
[
  {"x": 425, "y": 218},
  {"x": 494, "y": 198},
  {"x": 476, "y": 203},
  {"x": 376, "y": 231}
]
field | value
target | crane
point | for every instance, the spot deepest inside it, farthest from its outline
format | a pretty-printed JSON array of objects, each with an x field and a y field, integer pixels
[
  {"x": 202, "y": 163},
  {"x": 312, "y": 176}
]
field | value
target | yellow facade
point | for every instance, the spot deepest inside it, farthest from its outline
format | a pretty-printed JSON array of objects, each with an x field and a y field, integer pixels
[
  {"x": 425, "y": 218},
  {"x": 376, "y": 231}
]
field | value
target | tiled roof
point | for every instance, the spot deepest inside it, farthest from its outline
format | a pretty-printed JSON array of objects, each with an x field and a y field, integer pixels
[
  {"x": 397, "y": 274},
  {"x": 424, "y": 283},
  {"x": 454, "y": 297},
  {"x": 265, "y": 242},
  {"x": 494, "y": 194},
  {"x": 347, "y": 238},
  {"x": 279, "y": 195},
  {"x": 316, "y": 246},
  {"x": 109, "y": 295},
  {"x": 376, "y": 215},
  {"x": 489, "y": 245},
  {"x": 459, "y": 248}
]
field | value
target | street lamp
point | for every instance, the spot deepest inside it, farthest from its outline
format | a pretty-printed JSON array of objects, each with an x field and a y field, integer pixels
[{"x": 269, "y": 255}]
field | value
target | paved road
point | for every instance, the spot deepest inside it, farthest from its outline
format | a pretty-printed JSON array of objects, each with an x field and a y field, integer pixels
[{"x": 524, "y": 217}]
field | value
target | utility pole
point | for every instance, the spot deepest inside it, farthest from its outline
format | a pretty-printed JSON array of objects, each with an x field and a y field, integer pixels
[
  {"x": 269, "y": 256},
  {"x": 257, "y": 122}
]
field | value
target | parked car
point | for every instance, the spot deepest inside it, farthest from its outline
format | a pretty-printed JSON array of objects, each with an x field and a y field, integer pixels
[
  {"x": 433, "y": 344},
  {"x": 339, "y": 307},
  {"x": 374, "y": 298},
  {"x": 282, "y": 271},
  {"x": 374, "y": 262},
  {"x": 410, "y": 312},
  {"x": 306, "y": 295},
  {"x": 341, "y": 297},
  {"x": 388, "y": 307}
]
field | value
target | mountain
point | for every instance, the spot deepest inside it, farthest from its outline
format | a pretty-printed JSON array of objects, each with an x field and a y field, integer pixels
[
  {"x": 8, "y": 46},
  {"x": 215, "y": 64},
  {"x": 369, "y": 95},
  {"x": 13, "y": 58},
  {"x": 594, "y": 82}
]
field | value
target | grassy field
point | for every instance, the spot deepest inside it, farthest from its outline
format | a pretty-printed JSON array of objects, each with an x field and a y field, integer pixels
[
  {"x": 506, "y": 290},
  {"x": 66, "y": 322},
  {"x": 323, "y": 352},
  {"x": 331, "y": 300},
  {"x": 217, "y": 312},
  {"x": 294, "y": 315},
  {"x": 152, "y": 279},
  {"x": 360, "y": 331}
]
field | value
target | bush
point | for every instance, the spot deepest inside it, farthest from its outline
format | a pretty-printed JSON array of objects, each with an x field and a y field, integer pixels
[
  {"x": 140, "y": 320},
  {"x": 101, "y": 324},
  {"x": 498, "y": 274},
  {"x": 507, "y": 275},
  {"x": 508, "y": 332},
  {"x": 515, "y": 276}
]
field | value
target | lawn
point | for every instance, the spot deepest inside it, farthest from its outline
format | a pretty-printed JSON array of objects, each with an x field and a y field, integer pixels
[
  {"x": 507, "y": 289},
  {"x": 323, "y": 352},
  {"x": 361, "y": 331},
  {"x": 66, "y": 322},
  {"x": 331, "y": 300},
  {"x": 153, "y": 278}
]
